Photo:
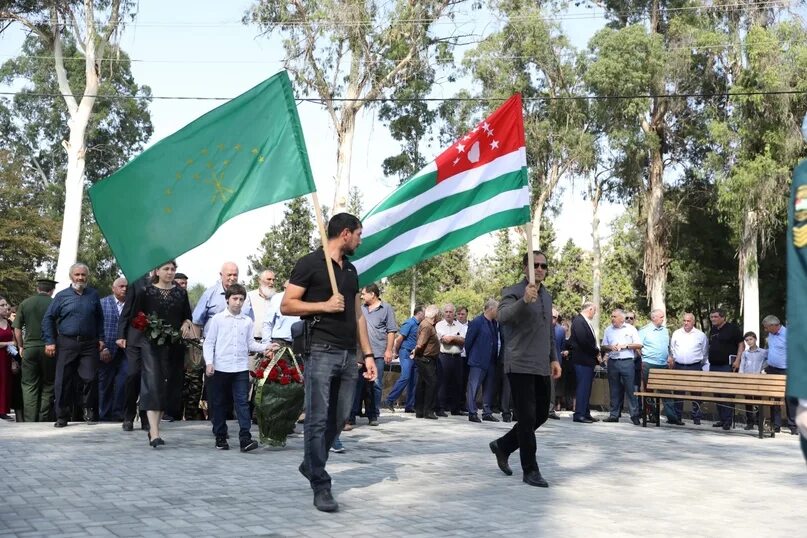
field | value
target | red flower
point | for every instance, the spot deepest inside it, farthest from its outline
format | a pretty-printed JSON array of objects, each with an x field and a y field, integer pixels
[
  {"x": 259, "y": 373},
  {"x": 282, "y": 364},
  {"x": 264, "y": 363},
  {"x": 140, "y": 321},
  {"x": 253, "y": 374},
  {"x": 285, "y": 380},
  {"x": 274, "y": 374},
  {"x": 297, "y": 377}
]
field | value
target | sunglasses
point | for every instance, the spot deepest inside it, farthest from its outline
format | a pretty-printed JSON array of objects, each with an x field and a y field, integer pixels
[
  {"x": 541, "y": 266},
  {"x": 629, "y": 317}
]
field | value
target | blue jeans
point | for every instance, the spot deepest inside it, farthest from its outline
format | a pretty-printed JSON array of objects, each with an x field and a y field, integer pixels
[
  {"x": 406, "y": 381},
  {"x": 585, "y": 378},
  {"x": 620, "y": 381},
  {"x": 487, "y": 378},
  {"x": 330, "y": 378},
  {"x": 223, "y": 384},
  {"x": 111, "y": 387}
]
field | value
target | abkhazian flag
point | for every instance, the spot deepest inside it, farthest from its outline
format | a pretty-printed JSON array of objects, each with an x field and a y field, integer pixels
[
  {"x": 476, "y": 186},
  {"x": 244, "y": 154}
]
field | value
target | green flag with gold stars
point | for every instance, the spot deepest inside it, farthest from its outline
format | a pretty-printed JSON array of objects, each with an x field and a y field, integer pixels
[{"x": 247, "y": 153}]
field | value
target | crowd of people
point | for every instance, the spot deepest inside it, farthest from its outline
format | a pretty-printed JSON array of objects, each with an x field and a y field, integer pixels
[{"x": 78, "y": 355}]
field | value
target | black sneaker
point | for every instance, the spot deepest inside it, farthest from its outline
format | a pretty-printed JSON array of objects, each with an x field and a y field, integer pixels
[
  {"x": 324, "y": 501},
  {"x": 128, "y": 426},
  {"x": 388, "y": 406},
  {"x": 89, "y": 417},
  {"x": 222, "y": 444},
  {"x": 247, "y": 445},
  {"x": 167, "y": 418},
  {"x": 60, "y": 423}
]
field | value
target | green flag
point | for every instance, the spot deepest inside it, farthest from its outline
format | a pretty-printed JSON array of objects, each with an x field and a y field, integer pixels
[{"x": 247, "y": 153}]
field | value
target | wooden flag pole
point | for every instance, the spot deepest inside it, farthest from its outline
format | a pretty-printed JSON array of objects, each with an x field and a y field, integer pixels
[
  {"x": 324, "y": 238},
  {"x": 530, "y": 255}
]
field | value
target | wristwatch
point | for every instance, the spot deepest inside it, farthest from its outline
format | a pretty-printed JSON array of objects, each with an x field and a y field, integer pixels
[{"x": 369, "y": 356}]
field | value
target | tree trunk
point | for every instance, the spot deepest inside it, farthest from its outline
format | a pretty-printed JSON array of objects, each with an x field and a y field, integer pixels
[
  {"x": 537, "y": 214},
  {"x": 749, "y": 273},
  {"x": 596, "y": 253},
  {"x": 655, "y": 262},
  {"x": 344, "y": 152},
  {"x": 413, "y": 288}
]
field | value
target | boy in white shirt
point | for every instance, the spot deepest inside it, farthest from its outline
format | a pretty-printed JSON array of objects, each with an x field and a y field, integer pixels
[
  {"x": 226, "y": 350},
  {"x": 752, "y": 361}
]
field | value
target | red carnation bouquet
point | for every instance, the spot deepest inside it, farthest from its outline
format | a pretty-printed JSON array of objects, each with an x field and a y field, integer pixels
[
  {"x": 279, "y": 396},
  {"x": 158, "y": 332}
]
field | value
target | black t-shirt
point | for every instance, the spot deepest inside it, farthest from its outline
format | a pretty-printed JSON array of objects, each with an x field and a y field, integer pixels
[
  {"x": 724, "y": 342},
  {"x": 337, "y": 330}
]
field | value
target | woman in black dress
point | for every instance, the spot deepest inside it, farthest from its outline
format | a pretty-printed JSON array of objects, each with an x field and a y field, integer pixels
[{"x": 170, "y": 303}]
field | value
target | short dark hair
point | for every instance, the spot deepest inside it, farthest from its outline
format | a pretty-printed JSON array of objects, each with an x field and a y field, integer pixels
[
  {"x": 418, "y": 309},
  {"x": 235, "y": 289},
  {"x": 373, "y": 288},
  {"x": 462, "y": 308},
  {"x": 180, "y": 276},
  {"x": 718, "y": 311},
  {"x": 534, "y": 253},
  {"x": 750, "y": 333},
  {"x": 342, "y": 221}
]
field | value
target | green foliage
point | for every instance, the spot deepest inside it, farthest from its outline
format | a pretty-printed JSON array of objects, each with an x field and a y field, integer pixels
[
  {"x": 285, "y": 243},
  {"x": 195, "y": 293}
]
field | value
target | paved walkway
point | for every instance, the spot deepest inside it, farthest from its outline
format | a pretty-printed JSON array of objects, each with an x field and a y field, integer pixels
[{"x": 407, "y": 477}]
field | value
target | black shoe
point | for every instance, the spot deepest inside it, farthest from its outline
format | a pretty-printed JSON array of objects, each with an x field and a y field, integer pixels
[
  {"x": 636, "y": 421},
  {"x": 167, "y": 418},
  {"x": 60, "y": 423},
  {"x": 794, "y": 430},
  {"x": 726, "y": 427},
  {"x": 611, "y": 419},
  {"x": 676, "y": 422},
  {"x": 388, "y": 406},
  {"x": 501, "y": 458},
  {"x": 303, "y": 471},
  {"x": 583, "y": 420},
  {"x": 145, "y": 426},
  {"x": 409, "y": 410},
  {"x": 777, "y": 429},
  {"x": 592, "y": 419},
  {"x": 248, "y": 444},
  {"x": 717, "y": 424},
  {"x": 696, "y": 422},
  {"x": 373, "y": 422},
  {"x": 441, "y": 414},
  {"x": 554, "y": 416},
  {"x": 507, "y": 417},
  {"x": 157, "y": 441},
  {"x": 8, "y": 417},
  {"x": 222, "y": 444},
  {"x": 749, "y": 426},
  {"x": 489, "y": 418},
  {"x": 474, "y": 418},
  {"x": 324, "y": 501},
  {"x": 534, "y": 478},
  {"x": 418, "y": 415},
  {"x": 89, "y": 417},
  {"x": 431, "y": 416},
  {"x": 460, "y": 413},
  {"x": 128, "y": 426}
]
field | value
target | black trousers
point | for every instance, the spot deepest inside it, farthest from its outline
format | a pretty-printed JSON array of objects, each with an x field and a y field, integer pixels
[
  {"x": 426, "y": 388},
  {"x": 75, "y": 362},
  {"x": 175, "y": 379},
  {"x": 134, "y": 365},
  {"x": 531, "y": 403},
  {"x": 451, "y": 391}
]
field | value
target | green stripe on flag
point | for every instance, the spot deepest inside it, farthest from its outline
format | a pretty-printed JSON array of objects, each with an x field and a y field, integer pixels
[
  {"x": 415, "y": 186},
  {"x": 457, "y": 238},
  {"x": 444, "y": 207}
]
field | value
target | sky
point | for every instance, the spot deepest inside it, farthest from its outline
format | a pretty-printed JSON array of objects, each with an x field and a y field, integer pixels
[{"x": 201, "y": 49}]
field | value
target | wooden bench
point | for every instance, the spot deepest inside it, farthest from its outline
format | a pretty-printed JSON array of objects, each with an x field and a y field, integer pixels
[{"x": 719, "y": 387}]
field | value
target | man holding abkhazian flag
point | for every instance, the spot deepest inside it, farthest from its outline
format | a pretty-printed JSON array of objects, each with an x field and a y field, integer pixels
[
  {"x": 478, "y": 185},
  {"x": 245, "y": 154}
]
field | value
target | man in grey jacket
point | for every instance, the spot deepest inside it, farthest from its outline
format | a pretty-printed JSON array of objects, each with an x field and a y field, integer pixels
[{"x": 525, "y": 315}]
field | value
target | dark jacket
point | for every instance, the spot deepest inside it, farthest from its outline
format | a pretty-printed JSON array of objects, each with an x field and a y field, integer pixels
[
  {"x": 527, "y": 330},
  {"x": 482, "y": 342},
  {"x": 582, "y": 344}
]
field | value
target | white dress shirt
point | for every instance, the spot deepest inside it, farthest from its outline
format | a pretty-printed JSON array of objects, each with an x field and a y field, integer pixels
[
  {"x": 627, "y": 334},
  {"x": 275, "y": 324},
  {"x": 689, "y": 347},
  {"x": 259, "y": 306},
  {"x": 229, "y": 342},
  {"x": 455, "y": 329}
]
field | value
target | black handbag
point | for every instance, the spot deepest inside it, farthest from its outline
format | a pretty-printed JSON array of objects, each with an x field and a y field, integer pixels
[{"x": 301, "y": 332}]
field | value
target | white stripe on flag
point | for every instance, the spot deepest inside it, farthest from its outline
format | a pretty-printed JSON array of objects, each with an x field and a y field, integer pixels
[
  {"x": 465, "y": 181},
  {"x": 437, "y": 229}
]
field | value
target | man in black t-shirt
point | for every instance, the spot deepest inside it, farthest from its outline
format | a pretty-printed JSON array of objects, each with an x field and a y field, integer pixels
[
  {"x": 337, "y": 324},
  {"x": 725, "y": 339}
]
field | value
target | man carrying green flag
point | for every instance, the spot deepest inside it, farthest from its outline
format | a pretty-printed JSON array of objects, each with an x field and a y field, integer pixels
[
  {"x": 245, "y": 154},
  {"x": 797, "y": 295}
]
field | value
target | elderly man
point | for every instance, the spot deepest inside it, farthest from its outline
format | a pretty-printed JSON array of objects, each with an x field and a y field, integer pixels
[
  {"x": 777, "y": 364},
  {"x": 482, "y": 346},
  {"x": 112, "y": 368},
  {"x": 655, "y": 351},
  {"x": 584, "y": 355},
  {"x": 689, "y": 350},
  {"x": 525, "y": 314},
  {"x": 212, "y": 300},
  {"x": 426, "y": 353},
  {"x": 73, "y": 330},
  {"x": 260, "y": 298},
  {"x": 451, "y": 334},
  {"x": 277, "y": 327},
  {"x": 38, "y": 371},
  {"x": 621, "y": 341},
  {"x": 725, "y": 341}
]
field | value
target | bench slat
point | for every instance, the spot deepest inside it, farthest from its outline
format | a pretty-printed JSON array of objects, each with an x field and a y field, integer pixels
[
  {"x": 670, "y": 396},
  {"x": 754, "y": 380},
  {"x": 711, "y": 387}
]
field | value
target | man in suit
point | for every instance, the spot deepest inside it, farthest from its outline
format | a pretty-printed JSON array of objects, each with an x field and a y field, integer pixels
[
  {"x": 584, "y": 354},
  {"x": 525, "y": 314},
  {"x": 482, "y": 347},
  {"x": 132, "y": 340},
  {"x": 112, "y": 365}
]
